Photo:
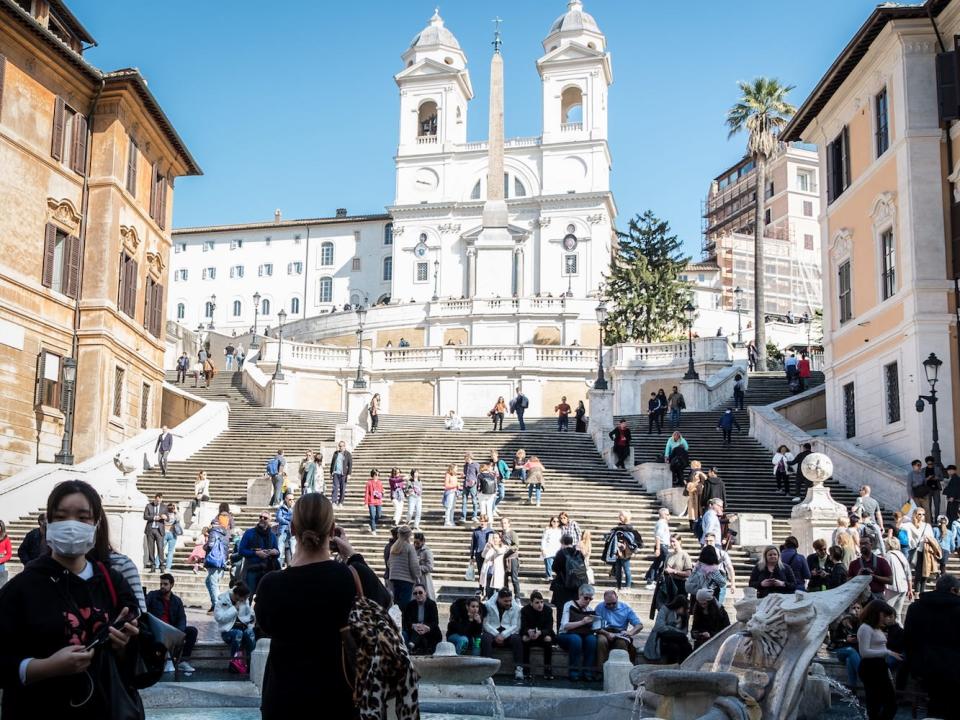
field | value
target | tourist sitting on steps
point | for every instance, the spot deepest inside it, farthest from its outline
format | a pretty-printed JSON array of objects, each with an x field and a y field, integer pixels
[
  {"x": 235, "y": 619},
  {"x": 501, "y": 628},
  {"x": 168, "y": 607},
  {"x": 709, "y": 618},
  {"x": 453, "y": 421},
  {"x": 465, "y": 627},
  {"x": 260, "y": 552},
  {"x": 619, "y": 626},
  {"x": 668, "y": 640},
  {"x": 578, "y": 626},
  {"x": 536, "y": 628},
  {"x": 421, "y": 623}
]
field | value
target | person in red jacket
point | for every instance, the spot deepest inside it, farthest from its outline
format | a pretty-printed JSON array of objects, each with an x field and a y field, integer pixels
[
  {"x": 373, "y": 499},
  {"x": 6, "y": 552},
  {"x": 803, "y": 370}
]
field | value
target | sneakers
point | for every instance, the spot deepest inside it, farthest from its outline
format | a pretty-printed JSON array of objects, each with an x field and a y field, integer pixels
[
  {"x": 518, "y": 673},
  {"x": 796, "y": 499},
  {"x": 186, "y": 667},
  {"x": 168, "y": 667},
  {"x": 651, "y": 585}
]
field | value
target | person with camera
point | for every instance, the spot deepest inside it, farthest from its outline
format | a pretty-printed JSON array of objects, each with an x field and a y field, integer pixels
[
  {"x": 869, "y": 563},
  {"x": 302, "y": 609},
  {"x": 67, "y": 617}
]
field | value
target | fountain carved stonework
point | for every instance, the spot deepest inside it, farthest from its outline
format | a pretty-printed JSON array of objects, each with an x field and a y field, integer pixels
[{"x": 757, "y": 668}]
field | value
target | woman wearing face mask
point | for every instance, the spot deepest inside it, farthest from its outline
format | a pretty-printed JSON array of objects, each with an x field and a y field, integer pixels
[{"x": 59, "y": 618}]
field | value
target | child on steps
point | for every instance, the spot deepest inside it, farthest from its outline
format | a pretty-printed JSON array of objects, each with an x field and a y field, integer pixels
[{"x": 198, "y": 554}]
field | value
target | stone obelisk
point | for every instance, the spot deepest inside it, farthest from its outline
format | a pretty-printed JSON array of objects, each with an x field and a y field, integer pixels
[{"x": 494, "y": 246}]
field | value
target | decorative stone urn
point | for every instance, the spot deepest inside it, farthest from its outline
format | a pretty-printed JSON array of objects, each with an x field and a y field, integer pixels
[
  {"x": 816, "y": 517},
  {"x": 445, "y": 667}
]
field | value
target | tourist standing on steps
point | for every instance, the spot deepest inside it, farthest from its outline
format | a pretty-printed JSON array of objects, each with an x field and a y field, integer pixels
[
  {"x": 781, "y": 468},
  {"x": 676, "y": 404},
  {"x": 661, "y": 532},
  {"x": 692, "y": 490},
  {"x": 803, "y": 371},
  {"x": 285, "y": 541},
  {"x": 425, "y": 558},
  {"x": 216, "y": 552},
  {"x": 569, "y": 573},
  {"x": 34, "y": 543},
  {"x": 534, "y": 472},
  {"x": 340, "y": 469},
  {"x": 662, "y": 399},
  {"x": 900, "y": 590},
  {"x": 398, "y": 494},
  {"x": 881, "y": 699},
  {"x": 770, "y": 575},
  {"x": 653, "y": 414},
  {"x": 318, "y": 483},
  {"x": 374, "y": 412},
  {"x": 550, "y": 546},
  {"x": 450, "y": 485},
  {"x": 404, "y": 566},
  {"x": 619, "y": 546},
  {"x": 751, "y": 356},
  {"x": 952, "y": 491},
  {"x": 497, "y": 412},
  {"x": 932, "y": 631},
  {"x": 621, "y": 442},
  {"x": 710, "y": 522},
  {"x": 307, "y": 472},
  {"x": 502, "y": 471},
  {"x": 802, "y": 481},
  {"x": 163, "y": 447},
  {"x": 563, "y": 415},
  {"x": 276, "y": 469},
  {"x": 493, "y": 571},
  {"x": 201, "y": 494},
  {"x": 726, "y": 423},
  {"x": 414, "y": 492},
  {"x": 713, "y": 487},
  {"x": 241, "y": 356},
  {"x": 924, "y": 550},
  {"x": 171, "y": 531},
  {"x": 487, "y": 484},
  {"x": 512, "y": 559},
  {"x": 478, "y": 543},
  {"x": 677, "y": 453},
  {"x": 373, "y": 499},
  {"x": 519, "y": 405},
  {"x": 581, "y": 415},
  {"x": 570, "y": 527},
  {"x": 183, "y": 364},
  {"x": 260, "y": 552},
  {"x": 738, "y": 392},
  {"x": 791, "y": 557},
  {"x": 228, "y": 353},
  {"x": 869, "y": 507},
  {"x": 471, "y": 470},
  {"x": 155, "y": 514}
]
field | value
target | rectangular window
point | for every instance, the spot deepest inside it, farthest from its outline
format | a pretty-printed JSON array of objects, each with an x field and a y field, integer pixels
[
  {"x": 61, "y": 262},
  {"x": 132, "y": 167},
  {"x": 236, "y": 271},
  {"x": 355, "y": 265},
  {"x": 158, "y": 196},
  {"x": 69, "y": 141},
  {"x": 808, "y": 242},
  {"x": 153, "y": 307},
  {"x": 127, "y": 292},
  {"x": 209, "y": 273},
  {"x": 144, "y": 406},
  {"x": 118, "y": 375},
  {"x": 181, "y": 275},
  {"x": 770, "y": 190},
  {"x": 881, "y": 117},
  {"x": 295, "y": 268},
  {"x": 326, "y": 254},
  {"x": 423, "y": 272},
  {"x": 845, "y": 292},
  {"x": 891, "y": 386},
  {"x": 888, "y": 252},
  {"x": 208, "y": 245},
  {"x": 265, "y": 270},
  {"x": 766, "y": 216},
  {"x": 48, "y": 380},
  {"x": 838, "y": 165},
  {"x": 296, "y": 239},
  {"x": 236, "y": 244},
  {"x": 387, "y": 269},
  {"x": 803, "y": 181},
  {"x": 849, "y": 411},
  {"x": 807, "y": 208},
  {"x": 570, "y": 264},
  {"x": 179, "y": 247}
]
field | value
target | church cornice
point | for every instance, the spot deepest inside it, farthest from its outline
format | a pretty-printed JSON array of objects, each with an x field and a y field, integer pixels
[
  {"x": 414, "y": 74},
  {"x": 575, "y": 201}
]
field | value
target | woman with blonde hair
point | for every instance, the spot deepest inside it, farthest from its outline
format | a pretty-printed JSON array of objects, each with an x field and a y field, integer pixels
[
  {"x": 534, "y": 470},
  {"x": 900, "y": 588},
  {"x": 845, "y": 543},
  {"x": 586, "y": 547},
  {"x": 493, "y": 570},
  {"x": 772, "y": 576},
  {"x": 404, "y": 566},
  {"x": 692, "y": 491},
  {"x": 450, "y": 484},
  {"x": 520, "y": 465},
  {"x": 924, "y": 549}
]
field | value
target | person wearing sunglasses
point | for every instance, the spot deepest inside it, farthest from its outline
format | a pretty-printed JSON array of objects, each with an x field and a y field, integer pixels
[
  {"x": 260, "y": 552},
  {"x": 421, "y": 623}
]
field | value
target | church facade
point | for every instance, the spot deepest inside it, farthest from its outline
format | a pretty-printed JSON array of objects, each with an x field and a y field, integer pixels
[{"x": 545, "y": 228}]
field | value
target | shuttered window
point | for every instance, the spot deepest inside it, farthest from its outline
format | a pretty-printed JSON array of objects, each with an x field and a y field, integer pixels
[
  {"x": 48, "y": 380},
  {"x": 118, "y": 378},
  {"x": 132, "y": 153},
  {"x": 144, "y": 406},
  {"x": 838, "y": 165},
  {"x": 127, "y": 293},
  {"x": 59, "y": 117},
  {"x": 153, "y": 307},
  {"x": 158, "y": 197},
  {"x": 61, "y": 261},
  {"x": 3, "y": 70},
  {"x": 78, "y": 154}
]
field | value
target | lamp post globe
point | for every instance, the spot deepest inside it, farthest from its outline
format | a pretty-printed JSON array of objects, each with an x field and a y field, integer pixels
[
  {"x": 738, "y": 294},
  {"x": 602, "y": 314},
  {"x": 256, "y": 312},
  {"x": 931, "y": 367}
]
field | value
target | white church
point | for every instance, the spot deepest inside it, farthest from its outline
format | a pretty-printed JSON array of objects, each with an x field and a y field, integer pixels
[{"x": 484, "y": 273}]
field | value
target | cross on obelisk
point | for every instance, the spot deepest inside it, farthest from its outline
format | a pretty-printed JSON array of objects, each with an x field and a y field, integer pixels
[{"x": 497, "y": 42}]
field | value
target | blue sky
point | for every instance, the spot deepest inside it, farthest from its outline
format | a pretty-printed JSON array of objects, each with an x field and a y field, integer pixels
[{"x": 297, "y": 109}]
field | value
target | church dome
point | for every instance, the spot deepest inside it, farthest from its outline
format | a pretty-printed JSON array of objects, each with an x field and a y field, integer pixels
[
  {"x": 435, "y": 34},
  {"x": 574, "y": 20}
]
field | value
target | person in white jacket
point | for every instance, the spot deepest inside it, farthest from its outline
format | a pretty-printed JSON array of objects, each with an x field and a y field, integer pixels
[
  {"x": 900, "y": 588},
  {"x": 550, "y": 545},
  {"x": 235, "y": 619},
  {"x": 781, "y": 469},
  {"x": 453, "y": 421},
  {"x": 501, "y": 628}
]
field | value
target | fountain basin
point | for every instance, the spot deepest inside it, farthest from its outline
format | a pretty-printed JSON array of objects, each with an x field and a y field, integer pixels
[{"x": 445, "y": 667}]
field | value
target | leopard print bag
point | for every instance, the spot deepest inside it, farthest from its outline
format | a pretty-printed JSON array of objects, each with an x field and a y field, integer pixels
[{"x": 376, "y": 663}]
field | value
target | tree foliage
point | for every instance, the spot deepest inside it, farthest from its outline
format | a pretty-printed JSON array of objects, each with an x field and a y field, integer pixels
[{"x": 644, "y": 286}]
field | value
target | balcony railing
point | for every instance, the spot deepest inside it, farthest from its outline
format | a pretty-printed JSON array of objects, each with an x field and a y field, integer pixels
[
  {"x": 427, "y": 140},
  {"x": 571, "y": 127}
]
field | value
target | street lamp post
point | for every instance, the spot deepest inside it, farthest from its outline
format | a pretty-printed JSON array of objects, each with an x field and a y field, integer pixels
[
  {"x": 213, "y": 309},
  {"x": 601, "y": 383},
  {"x": 65, "y": 456},
  {"x": 690, "y": 311},
  {"x": 931, "y": 367},
  {"x": 278, "y": 373},
  {"x": 360, "y": 383},
  {"x": 436, "y": 280},
  {"x": 738, "y": 293},
  {"x": 256, "y": 312}
]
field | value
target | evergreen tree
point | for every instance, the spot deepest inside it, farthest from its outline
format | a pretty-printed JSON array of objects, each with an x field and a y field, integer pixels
[{"x": 644, "y": 287}]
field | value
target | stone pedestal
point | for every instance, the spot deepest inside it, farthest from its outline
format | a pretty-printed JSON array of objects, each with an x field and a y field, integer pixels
[
  {"x": 816, "y": 517},
  {"x": 124, "y": 505},
  {"x": 358, "y": 405},
  {"x": 753, "y": 529},
  {"x": 616, "y": 672},
  {"x": 258, "y": 663},
  {"x": 601, "y": 418},
  {"x": 259, "y": 491},
  {"x": 281, "y": 394},
  {"x": 653, "y": 477},
  {"x": 674, "y": 500},
  {"x": 352, "y": 435}
]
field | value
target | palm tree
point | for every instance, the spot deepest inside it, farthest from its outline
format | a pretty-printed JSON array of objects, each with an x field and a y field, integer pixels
[{"x": 763, "y": 112}]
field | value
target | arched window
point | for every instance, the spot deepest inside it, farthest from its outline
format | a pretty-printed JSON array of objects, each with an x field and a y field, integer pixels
[
  {"x": 325, "y": 290},
  {"x": 208, "y": 309},
  {"x": 427, "y": 120},
  {"x": 237, "y": 307},
  {"x": 181, "y": 311},
  {"x": 295, "y": 306},
  {"x": 355, "y": 299},
  {"x": 518, "y": 188},
  {"x": 475, "y": 193},
  {"x": 264, "y": 307},
  {"x": 571, "y": 106},
  {"x": 387, "y": 269},
  {"x": 326, "y": 254},
  {"x": 388, "y": 234}
]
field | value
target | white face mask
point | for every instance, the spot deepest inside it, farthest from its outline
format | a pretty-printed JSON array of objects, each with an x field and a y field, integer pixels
[{"x": 71, "y": 538}]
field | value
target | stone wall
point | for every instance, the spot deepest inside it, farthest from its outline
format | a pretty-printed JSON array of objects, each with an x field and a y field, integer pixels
[
  {"x": 177, "y": 405},
  {"x": 412, "y": 398}
]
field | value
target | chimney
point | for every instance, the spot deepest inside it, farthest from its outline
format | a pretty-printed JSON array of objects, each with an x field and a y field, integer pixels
[
  {"x": 276, "y": 216},
  {"x": 341, "y": 212}
]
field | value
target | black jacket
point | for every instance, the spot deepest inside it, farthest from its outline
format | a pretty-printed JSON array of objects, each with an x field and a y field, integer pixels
[
  {"x": 347, "y": 462},
  {"x": 781, "y": 572},
  {"x": 460, "y": 624},
  {"x": 798, "y": 461},
  {"x": 542, "y": 620},
  {"x": 713, "y": 488},
  {"x": 33, "y": 546},
  {"x": 615, "y": 433},
  {"x": 43, "y": 609},
  {"x": 431, "y": 617},
  {"x": 932, "y": 630},
  {"x": 178, "y": 617}
]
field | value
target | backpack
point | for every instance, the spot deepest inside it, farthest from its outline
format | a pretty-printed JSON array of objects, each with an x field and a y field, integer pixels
[
  {"x": 216, "y": 549},
  {"x": 376, "y": 664},
  {"x": 524, "y": 402},
  {"x": 488, "y": 484},
  {"x": 576, "y": 574}
]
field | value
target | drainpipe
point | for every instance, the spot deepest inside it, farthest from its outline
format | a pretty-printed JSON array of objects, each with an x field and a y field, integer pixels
[{"x": 65, "y": 456}]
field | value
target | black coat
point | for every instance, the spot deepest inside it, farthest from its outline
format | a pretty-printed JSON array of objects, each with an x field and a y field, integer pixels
[
  {"x": 33, "y": 546},
  {"x": 460, "y": 624},
  {"x": 431, "y": 618},
  {"x": 616, "y": 432},
  {"x": 780, "y": 572},
  {"x": 542, "y": 620},
  {"x": 347, "y": 462},
  {"x": 178, "y": 617},
  {"x": 932, "y": 630},
  {"x": 712, "y": 488}
]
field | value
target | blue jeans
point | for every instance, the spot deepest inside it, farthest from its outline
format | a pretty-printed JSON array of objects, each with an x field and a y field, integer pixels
[
  {"x": 449, "y": 505},
  {"x": 523, "y": 425},
  {"x": 229, "y": 363},
  {"x": 402, "y": 592},
  {"x": 374, "y": 516},
  {"x": 465, "y": 645},
  {"x": 285, "y": 542},
  {"x": 534, "y": 490},
  {"x": 470, "y": 492},
  {"x": 621, "y": 570},
  {"x": 675, "y": 416},
  {"x": 563, "y": 423},
  {"x": 501, "y": 493},
  {"x": 548, "y": 566},
  {"x": 170, "y": 543},
  {"x": 583, "y": 653},
  {"x": 239, "y": 639},
  {"x": 852, "y": 660},
  {"x": 213, "y": 583}
]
